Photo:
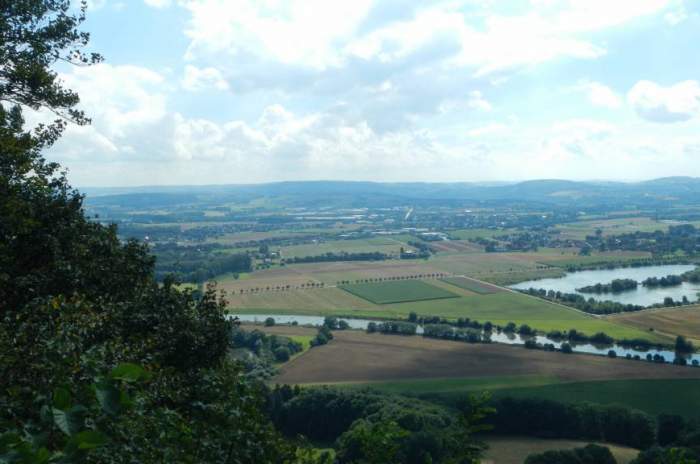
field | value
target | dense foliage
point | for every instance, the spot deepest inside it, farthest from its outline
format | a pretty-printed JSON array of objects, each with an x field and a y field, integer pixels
[
  {"x": 198, "y": 263},
  {"x": 551, "y": 419},
  {"x": 377, "y": 428},
  {"x": 589, "y": 454},
  {"x": 616, "y": 286},
  {"x": 99, "y": 362}
]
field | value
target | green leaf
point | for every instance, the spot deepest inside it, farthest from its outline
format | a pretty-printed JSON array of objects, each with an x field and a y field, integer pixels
[
  {"x": 109, "y": 397},
  {"x": 69, "y": 422},
  {"x": 129, "y": 372},
  {"x": 61, "y": 398},
  {"x": 89, "y": 439}
]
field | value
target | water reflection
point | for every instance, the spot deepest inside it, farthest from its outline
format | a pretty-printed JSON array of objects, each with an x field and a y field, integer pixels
[{"x": 496, "y": 337}]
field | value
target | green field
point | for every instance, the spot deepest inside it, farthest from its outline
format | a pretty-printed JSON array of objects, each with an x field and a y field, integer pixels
[
  {"x": 499, "y": 308},
  {"x": 654, "y": 396},
  {"x": 402, "y": 291},
  {"x": 456, "y": 385},
  {"x": 467, "y": 234},
  {"x": 471, "y": 285}
]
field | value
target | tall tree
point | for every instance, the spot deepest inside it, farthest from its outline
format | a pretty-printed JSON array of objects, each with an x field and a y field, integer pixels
[{"x": 99, "y": 362}]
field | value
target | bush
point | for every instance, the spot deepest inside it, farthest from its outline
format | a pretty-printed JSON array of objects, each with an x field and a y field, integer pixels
[
  {"x": 612, "y": 354},
  {"x": 269, "y": 322},
  {"x": 590, "y": 454},
  {"x": 566, "y": 348},
  {"x": 372, "y": 327},
  {"x": 282, "y": 354}
]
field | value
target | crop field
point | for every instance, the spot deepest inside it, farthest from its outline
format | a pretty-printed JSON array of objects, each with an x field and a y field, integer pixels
[
  {"x": 398, "y": 292},
  {"x": 671, "y": 321},
  {"x": 472, "y": 285},
  {"x": 512, "y": 450},
  {"x": 318, "y": 301},
  {"x": 357, "y": 357},
  {"x": 499, "y": 308}
]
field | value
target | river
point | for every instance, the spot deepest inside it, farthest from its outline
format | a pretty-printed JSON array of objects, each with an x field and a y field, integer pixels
[
  {"x": 505, "y": 338},
  {"x": 642, "y": 296}
]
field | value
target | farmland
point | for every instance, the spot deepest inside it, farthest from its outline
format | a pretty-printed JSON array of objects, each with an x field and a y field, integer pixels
[
  {"x": 398, "y": 292},
  {"x": 499, "y": 308},
  {"x": 472, "y": 285},
  {"x": 669, "y": 321},
  {"x": 445, "y": 371},
  {"x": 356, "y": 357}
]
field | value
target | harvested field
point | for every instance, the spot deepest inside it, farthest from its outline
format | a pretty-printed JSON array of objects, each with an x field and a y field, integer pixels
[
  {"x": 672, "y": 322},
  {"x": 513, "y": 450},
  {"x": 398, "y": 292},
  {"x": 319, "y": 299},
  {"x": 472, "y": 285},
  {"x": 360, "y": 357}
]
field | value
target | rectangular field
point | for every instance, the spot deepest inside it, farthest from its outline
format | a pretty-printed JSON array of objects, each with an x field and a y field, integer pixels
[
  {"x": 472, "y": 285},
  {"x": 402, "y": 291}
]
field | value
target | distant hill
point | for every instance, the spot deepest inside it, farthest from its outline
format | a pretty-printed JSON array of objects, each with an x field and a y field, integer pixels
[{"x": 659, "y": 192}]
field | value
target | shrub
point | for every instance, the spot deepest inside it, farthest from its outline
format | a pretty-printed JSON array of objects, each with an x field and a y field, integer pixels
[
  {"x": 282, "y": 354},
  {"x": 566, "y": 348},
  {"x": 269, "y": 322}
]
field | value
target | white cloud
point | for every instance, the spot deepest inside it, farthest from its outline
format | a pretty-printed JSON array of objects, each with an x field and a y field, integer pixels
[
  {"x": 489, "y": 129},
  {"x": 676, "y": 16},
  {"x": 679, "y": 102},
  {"x": 303, "y": 32},
  {"x": 321, "y": 34},
  {"x": 599, "y": 94},
  {"x": 196, "y": 79},
  {"x": 478, "y": 102},
  {"x": 157, "y": 3}
]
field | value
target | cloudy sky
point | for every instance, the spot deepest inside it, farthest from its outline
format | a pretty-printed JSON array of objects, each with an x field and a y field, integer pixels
[{"x": 240, "y": 91}]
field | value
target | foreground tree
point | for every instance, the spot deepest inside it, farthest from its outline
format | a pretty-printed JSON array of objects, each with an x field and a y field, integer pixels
[{"x": 99, "y": 362}]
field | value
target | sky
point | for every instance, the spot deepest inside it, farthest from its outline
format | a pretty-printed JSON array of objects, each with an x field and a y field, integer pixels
[{"x": 247, "y": 91}]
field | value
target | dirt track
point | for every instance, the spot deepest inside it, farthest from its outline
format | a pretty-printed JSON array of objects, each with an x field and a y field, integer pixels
[{"x": 360, "y": 357}]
